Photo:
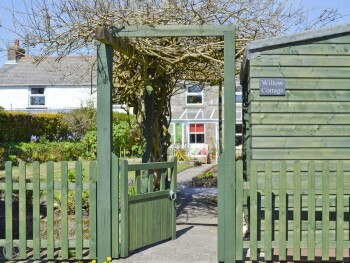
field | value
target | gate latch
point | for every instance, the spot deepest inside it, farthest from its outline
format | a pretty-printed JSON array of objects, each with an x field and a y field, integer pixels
[{"x": 172, "y": 195}]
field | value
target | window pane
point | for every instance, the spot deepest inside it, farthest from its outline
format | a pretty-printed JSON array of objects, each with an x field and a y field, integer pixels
[
  {"x": 194, "y": 99},
  {"x": 195, "y": 88},
  {"x": 200, "y": 128},
  {"x": 200, "y": 138},
  {"x": 37, "y": 100},
  {"x": 192, "y": 138},
  {"x": 238, "y": 98},
  {"x": 37, "y": 90},
  {"x": 192, "y": 128}
]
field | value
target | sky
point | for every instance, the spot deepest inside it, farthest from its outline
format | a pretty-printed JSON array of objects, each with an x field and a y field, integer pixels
[{"x": 7, "y": 38}]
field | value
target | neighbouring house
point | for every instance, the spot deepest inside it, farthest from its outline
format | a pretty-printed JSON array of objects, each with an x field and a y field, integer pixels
[
  {"x": 49, "y": 86},
  {"x": 195, "y": 119}
]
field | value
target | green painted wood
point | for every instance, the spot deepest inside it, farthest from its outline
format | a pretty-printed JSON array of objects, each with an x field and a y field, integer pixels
[
  {"x": 229, "y": 145},
  {"x": 148, "y": 196},
  {"x": 305, "y": 95},
  {"x": 138, "y": 182},
  {"x": 325, "y": 212},
  {"x": 340, "y": 211},
  {"x": 36, "y": 210},
  {"x": 8, "y": 207},
  {"x": 150, "y": 182},
  {"x": 239, "y": 210},
  {"x": 314, "y": 49},
  {"x": 300, "y": 118},
  {"x": 300, "y": 61},
  {"x": 115, "y": 206},
  {"x": 149, "y": 166},
  {"x": 296, "y": 212},
  {"x": 268, "y": 211},
  {"x": 22, "y": 211},
  {"x": 104, "y": 149},
  {"x": 253, "y": 222},
  {"x": 93, "y": 210},
  {"x": 50, "y": 210},
  {"x": 173, "y": 186},
  {"x": 163, "y": 177},
  {"x": 64, "y": 210},
  {"x": 344, "y": 39},
  {"x": 221, "y": 208},
  {"x": 300, "y": 142},
  {"x": 311, "y": 212},
  {"x": 282, "y": 212},
  {"x": 302, "y": 154},
  {"x": 300, "y": 130},
  {"x": 295, "y": 72},
  {"x": 124, "y": 245},
  {"x": 296, "y": 83},
  {"x": 169, "y": 31},
  {"x": 78, "y": 210},
  {"x": 300, "y": 107}
]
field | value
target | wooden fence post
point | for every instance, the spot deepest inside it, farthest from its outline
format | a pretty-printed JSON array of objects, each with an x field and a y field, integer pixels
[{"x": 104, "y": 149}]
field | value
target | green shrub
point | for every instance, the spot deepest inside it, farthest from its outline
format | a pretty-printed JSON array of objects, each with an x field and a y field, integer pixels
[
  {"x": 21, "y": 127},
  {"x": 49, "y": 151}
]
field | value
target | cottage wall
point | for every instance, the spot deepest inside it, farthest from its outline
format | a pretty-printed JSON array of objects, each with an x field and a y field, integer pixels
[{"x": 312, "y": 120}]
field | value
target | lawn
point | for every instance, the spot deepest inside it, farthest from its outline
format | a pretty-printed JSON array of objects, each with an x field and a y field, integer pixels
[{"x": 181, "y": 166}]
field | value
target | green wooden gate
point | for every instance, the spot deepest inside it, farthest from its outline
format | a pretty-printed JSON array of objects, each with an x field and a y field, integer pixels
[
  {"x": 296, "y": 211},
  {"x": 51, "y": 209}
]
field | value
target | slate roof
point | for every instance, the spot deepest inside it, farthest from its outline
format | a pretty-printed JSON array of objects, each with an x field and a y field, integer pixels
[{"x": 74, "y": 70}]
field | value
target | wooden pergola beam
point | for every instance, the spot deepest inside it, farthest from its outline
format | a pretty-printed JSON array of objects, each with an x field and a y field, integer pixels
[{"x": 109, "y": 36}]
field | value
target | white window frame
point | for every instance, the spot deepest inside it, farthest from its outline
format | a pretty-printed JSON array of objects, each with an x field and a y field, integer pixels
[
  {"x": 196, "y": 94},
  {"x": 36, "y": 95}
]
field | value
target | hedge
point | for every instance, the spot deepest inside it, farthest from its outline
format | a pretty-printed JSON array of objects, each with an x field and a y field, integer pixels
[{"x": 20, "y": 127}]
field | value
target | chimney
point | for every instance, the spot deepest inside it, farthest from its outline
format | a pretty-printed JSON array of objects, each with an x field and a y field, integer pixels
[{"x": 14, "y": 53}]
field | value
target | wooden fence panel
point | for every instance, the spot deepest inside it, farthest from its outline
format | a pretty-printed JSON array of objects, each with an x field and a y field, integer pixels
[
  {"x": 22, "y": 211},
  {"x": 340, "y": 211},
  {"x": 293, "y": 209},
  {"x": 311, "y": 212}
]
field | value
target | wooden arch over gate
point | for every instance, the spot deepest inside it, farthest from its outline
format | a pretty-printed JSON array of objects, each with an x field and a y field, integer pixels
[{"x": 107, "y": 39}]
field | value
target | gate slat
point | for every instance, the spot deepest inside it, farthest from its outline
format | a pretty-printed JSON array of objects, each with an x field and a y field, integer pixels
[
  {"x": 50, "y": 212},
  {"x": 8, "y": 208},
  {"x": 138, "y": 181},
  {"x": 115, "y": 206},
  {"x": 78, "y": 211},
  {"x": 297, "y": 211},
  {"x": 253, "y": 212},
  {"x": 173, "y": 186},
  {"x": 36, "y": 210},
  {"x": 22, "y": 211},
  {"x": 239, "y": 210},
  {"x": 340, "y": 211},
  {"x": 93, "y": 211},
  {"x": 268, "y": 211},
  {"x": 325, "y": 211},
  {"x": 282, "y": 212},
  {"x": 64, "y": 210},
  {"x": 311, "y": 212},
  {"x": 124, "y": 209}
]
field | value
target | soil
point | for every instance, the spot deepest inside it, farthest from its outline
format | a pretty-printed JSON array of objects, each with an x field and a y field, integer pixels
[{"x": 198, "y": 181}]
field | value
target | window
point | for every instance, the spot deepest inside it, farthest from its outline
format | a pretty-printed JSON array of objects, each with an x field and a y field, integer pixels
[
  {"x": 195, "y": 94},
  {"x": 37, "y": 97},
  {"x": 197, "y": 134},
  {"x": 238, "y": 97}
]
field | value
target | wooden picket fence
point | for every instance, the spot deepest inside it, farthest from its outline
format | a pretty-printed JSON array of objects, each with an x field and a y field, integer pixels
[
  {"x": 296, "y": 211},
  {"x": 52, "y": 213}
]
